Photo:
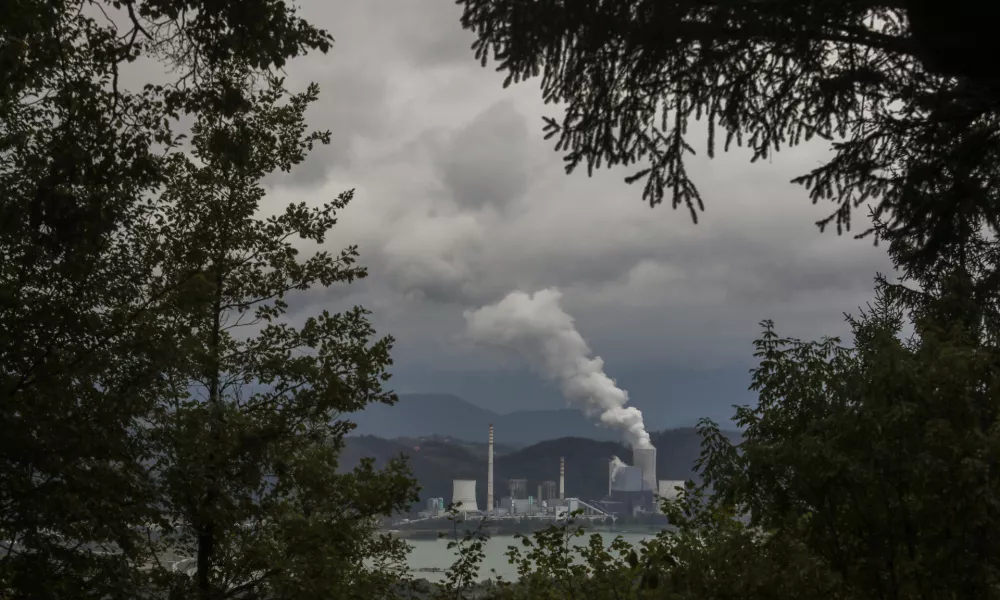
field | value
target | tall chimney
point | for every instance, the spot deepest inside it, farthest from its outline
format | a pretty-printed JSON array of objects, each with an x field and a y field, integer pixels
[
  {"x": 489, "y": 476},
  {"x": 562, "y": 478}
]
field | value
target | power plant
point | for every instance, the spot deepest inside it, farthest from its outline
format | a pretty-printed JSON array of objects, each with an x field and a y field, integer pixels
[
  {"x": 632, "y": 489},
  {"x": 635, "y": 489}
]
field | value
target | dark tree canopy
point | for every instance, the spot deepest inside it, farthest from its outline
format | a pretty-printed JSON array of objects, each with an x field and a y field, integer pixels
[
  {"x": 84, "y": 339},
  {"x": 913, "y": 129}
]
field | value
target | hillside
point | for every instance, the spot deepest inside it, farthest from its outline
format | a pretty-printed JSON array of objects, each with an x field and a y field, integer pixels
[
  {"x": 435, "y": 462},
  {"x": 421, "y": 415}
]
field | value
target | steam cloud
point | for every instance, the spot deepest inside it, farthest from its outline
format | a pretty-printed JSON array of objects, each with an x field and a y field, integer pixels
[
  {"x": 616, "y": 466},
  {"x": 535, "y": 326}
]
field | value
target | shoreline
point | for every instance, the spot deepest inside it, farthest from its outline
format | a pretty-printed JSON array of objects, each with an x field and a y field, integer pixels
[{"x": 449, "y": 531}]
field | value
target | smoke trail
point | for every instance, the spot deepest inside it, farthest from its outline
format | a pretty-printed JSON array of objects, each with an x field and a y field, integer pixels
[
  {"x": 616, "y": 465},
  {"x": 537, "y": 327}
]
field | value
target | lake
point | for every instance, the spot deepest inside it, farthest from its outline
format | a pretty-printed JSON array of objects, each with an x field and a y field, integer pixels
[{"x": 434, "y": 554}]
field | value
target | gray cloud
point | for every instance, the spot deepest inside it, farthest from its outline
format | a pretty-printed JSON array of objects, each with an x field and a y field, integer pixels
[
  {"x": 351, "y": 104},
  {"x": 484, "y": 162},
  {"x": 460, "y": 200}
]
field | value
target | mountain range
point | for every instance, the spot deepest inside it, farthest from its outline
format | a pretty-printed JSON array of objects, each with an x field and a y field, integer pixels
[{"x": 422, "y": 415}]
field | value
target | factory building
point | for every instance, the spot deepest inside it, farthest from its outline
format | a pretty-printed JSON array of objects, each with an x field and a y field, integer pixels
[
  {"x": 521, "y": 507},
  {"x": 435, "y": 507},
  {"x": 518, "y": 489},
  {"x": 627, "y": 479},
  {"x": 550, "y": 502},
  {"x": 633, "y": 489},
  {"x": 547, "y": 491}
]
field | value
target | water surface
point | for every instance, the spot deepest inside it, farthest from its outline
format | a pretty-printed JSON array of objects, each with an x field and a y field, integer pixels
[{"x": 434, "y": 554}]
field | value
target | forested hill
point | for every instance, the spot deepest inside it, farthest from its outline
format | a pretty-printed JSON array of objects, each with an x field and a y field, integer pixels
[
  {"x": 436, "y": 462},
  {"x": 447, "y": 415}
]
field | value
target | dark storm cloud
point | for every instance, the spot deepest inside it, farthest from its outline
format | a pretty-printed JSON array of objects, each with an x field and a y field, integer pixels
[
  {"x": 460, "y": 200},
  {"x": 788, "y": 278},
  {"x": 485, "y": 161},
  {"x": 350, "y": 107}
]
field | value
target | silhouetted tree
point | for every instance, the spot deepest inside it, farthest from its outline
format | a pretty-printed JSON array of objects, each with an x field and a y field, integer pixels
[
  {"x": 913, "y": 130},
  {"x": 247, "y": 447},
  {"x": 82, "y": 341}
]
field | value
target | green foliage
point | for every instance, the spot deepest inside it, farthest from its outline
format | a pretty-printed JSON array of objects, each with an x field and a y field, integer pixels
[
  {"x": 462, "y": 575},
  {"x": 247, "y": 446},
  {"x": 876, "y": 458},
  {"x": 554, "y": 564},
  {"x": 122, "y": 255},
  {"x": 551, "y": 564}
]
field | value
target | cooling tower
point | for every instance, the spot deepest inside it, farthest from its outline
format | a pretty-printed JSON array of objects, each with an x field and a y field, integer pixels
[
  {"x": 489, "y": 476},
  {"x": 464, "y": 491},
  {"x": 562, "y": 478},
  {"x": 645, "y": 459}
]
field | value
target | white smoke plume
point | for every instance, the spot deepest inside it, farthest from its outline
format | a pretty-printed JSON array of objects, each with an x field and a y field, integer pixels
[
  {"x": 535, "y": 326},
  {"x": 616, "y": 465}
]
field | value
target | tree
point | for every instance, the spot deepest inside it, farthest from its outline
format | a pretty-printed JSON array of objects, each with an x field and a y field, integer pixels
[
  {"x": 873, "y": 461},
  {"x": 82, "y": 341},
  {"x": 248, "y": 448},
  {"x": 634, "y": 74}
]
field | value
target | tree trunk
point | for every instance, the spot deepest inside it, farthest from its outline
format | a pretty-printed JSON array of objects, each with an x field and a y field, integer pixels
[{"x": 207, "y": 530}]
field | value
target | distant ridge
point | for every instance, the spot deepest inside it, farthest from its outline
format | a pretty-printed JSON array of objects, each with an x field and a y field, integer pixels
[{"x": 420, "y": 415}]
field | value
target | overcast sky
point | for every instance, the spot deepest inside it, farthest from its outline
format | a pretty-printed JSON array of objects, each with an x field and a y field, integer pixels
[{"x": 459, "y": 200}]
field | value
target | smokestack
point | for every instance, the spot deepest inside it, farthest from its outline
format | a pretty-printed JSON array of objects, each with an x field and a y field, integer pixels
[
  {"x": 562, "y": 478},
  {"x": 489, "y": 476}
]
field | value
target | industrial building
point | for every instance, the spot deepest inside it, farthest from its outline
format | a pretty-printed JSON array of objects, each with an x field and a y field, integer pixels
[
  {"x": 521, "y": 506},
  {"x": 634, "y": 489},
  {"x": 435, "y": 508},
  {"x": 547, "y": 491},
  {"x": 518, "y": 489},
  {"x": 548, "y": 504},
  {"x": 626, "y": 479}
]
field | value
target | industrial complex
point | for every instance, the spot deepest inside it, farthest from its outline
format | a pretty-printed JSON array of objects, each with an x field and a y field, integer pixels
[{"x": 632, "y": 490}]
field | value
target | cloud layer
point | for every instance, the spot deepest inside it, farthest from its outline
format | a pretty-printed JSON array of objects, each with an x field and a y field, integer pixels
[{"x": 460, "y": 200}]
